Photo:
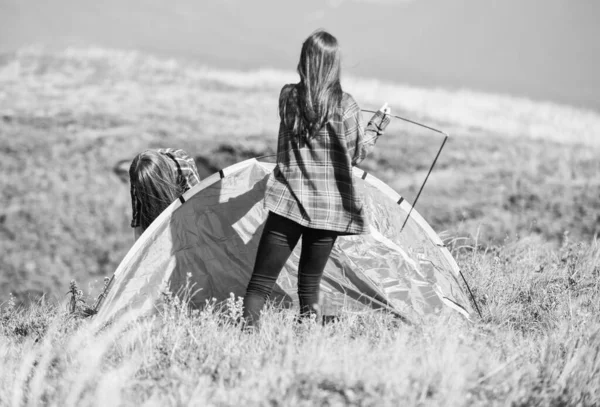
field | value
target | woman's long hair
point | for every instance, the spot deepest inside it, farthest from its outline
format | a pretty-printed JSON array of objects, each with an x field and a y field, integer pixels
[
  {"x": 156, "y": 184},
  {"x": 307, "y": 107}
]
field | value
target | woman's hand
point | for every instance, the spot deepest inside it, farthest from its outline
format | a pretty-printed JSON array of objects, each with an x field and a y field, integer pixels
[{"x": 385, "y": 109}]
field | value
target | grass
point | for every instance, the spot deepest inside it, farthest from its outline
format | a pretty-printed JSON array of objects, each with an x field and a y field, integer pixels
[
  {"x": 538, "y": 343},
  {"x": 515, "y": 193}
]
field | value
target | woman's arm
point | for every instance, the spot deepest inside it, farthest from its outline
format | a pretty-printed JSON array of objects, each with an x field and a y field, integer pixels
[{"x": 360, "y": 142}]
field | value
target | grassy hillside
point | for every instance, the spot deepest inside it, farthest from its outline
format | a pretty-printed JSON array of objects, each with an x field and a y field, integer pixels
[
  {"x": 538, "y": 344},
  {"x": 515, "y": 193},
  {"x": 512, "y": 167}
]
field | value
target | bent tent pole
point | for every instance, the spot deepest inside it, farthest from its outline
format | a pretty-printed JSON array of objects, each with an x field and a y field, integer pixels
[{"x": 446, "y": 136}]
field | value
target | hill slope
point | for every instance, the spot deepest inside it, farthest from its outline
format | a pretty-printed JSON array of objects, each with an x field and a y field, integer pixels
[{"x": 513, "y": 166}]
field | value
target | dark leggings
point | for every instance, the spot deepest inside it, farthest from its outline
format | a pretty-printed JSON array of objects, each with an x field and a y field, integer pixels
[{"x": 277, "y": 242}]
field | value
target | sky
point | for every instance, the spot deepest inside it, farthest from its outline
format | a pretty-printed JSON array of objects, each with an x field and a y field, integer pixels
[{"x": 541, "y": 49}]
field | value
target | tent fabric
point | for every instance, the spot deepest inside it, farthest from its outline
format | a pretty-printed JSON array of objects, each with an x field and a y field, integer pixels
[{"x": 209, "y": 238}]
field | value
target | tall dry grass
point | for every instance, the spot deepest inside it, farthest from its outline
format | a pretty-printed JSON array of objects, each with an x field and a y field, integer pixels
[{"x": 538, "y": 343}]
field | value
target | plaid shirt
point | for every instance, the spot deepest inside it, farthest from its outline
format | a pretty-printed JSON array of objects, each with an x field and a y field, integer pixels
[
  {"x": 312, "y": 183},
  {"x": 187, "y": 174}
]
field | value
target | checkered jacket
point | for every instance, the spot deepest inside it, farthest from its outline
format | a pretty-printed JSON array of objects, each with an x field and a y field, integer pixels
[
  {"x": 187, "y": 174},
  {"x": 312, "y": 183}
]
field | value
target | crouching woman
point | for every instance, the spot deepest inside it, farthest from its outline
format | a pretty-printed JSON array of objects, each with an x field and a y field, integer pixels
[{"x": 158, "y": 177}]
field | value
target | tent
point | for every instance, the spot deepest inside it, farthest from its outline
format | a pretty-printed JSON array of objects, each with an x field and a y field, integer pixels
[{"x": 210, "y": 236}]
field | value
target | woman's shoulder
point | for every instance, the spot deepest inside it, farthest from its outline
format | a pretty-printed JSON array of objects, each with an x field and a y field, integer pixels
[
  {"x": 185, "y": 164},
  {"x": 175, "y": 152}
]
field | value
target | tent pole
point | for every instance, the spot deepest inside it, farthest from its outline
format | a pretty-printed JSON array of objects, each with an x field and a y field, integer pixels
[
  {"x": 424, "y": 182},
  {"x": 446, "y": 135},
  {"x": 410, "y": 121}
]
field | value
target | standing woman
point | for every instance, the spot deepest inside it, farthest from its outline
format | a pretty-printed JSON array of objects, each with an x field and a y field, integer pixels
[{"x": 311, "y": 192}]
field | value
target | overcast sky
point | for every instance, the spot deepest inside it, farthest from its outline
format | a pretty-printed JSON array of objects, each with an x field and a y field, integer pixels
[{"x": 543, "y": 49}]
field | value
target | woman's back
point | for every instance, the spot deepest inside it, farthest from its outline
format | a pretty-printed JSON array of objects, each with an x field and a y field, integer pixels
[{"x": 312, "y": 183}]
